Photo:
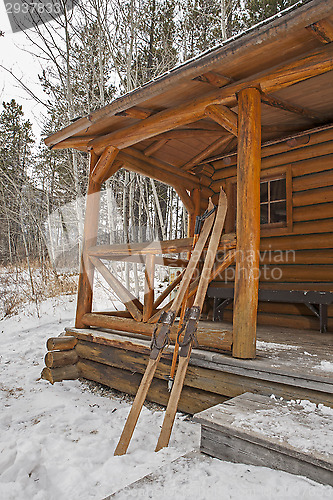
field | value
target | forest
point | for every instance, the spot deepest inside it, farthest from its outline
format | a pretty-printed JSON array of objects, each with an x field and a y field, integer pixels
[{"x": 91, "y": 55}]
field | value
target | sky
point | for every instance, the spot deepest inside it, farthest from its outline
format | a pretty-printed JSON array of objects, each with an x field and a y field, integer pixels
[{"x": 15, "y": 56}]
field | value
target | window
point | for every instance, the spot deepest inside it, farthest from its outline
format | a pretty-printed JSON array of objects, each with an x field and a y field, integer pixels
[{"x": 275, "y": 200}]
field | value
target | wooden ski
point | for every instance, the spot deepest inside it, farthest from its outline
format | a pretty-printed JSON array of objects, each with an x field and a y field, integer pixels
[
  {"x": 192, "y": 319},
  {"x": 160, "y": 336}
]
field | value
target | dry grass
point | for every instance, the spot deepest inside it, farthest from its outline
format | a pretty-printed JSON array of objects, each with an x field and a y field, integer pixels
[{"x": 19, "y": 287}]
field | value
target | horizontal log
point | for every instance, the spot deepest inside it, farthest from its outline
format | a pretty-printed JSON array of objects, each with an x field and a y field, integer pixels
[
  {"x": 292, "y": 273},
  {"x": 196, "y": 377},
  {"x": 140, "y": 259},
  {"x": 222, "y": 383},
  {"x": 318, "y": 138},
  {"x": 191, "y": 400},
  {"x": 214, "y": 339},
  {"x": 276, "y": 273},
  {"x": 286, "y": 106},
  {"x": 298, "y": 257},
  {"x": 287, "y": 321},
  {"x": 313, "y": 197},
  {"x": 300, "y": 286},
  {"x": 156, "y": 247},
  {"x": 56, "y": 359},
  {"x": 299, "y": 168},
  {"x": 315, "y": 212},
  {"x": 76, "y": 142},
  {"x": 311, "y": 227},
  {"x": 312, "y": 165},
  {"x": 280, "y": 308},
  {"x": 314, "y": 181},
  {"x": 283, "y": 75},
  {"x": 62, "y": 343},
  {"x": 221, "y": 141},
  {"x": 300, "y": 154},
  {"x": 118, "y": 314},
  {"x": 275, "y": 308},
  {"x": 297, "y": 242},
  {"x": 70, "y": 372}
]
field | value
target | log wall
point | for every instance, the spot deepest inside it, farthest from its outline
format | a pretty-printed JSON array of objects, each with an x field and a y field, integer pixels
[{"x": 301, "y": 254}]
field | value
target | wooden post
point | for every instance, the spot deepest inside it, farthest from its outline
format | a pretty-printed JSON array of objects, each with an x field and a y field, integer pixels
[
  {"x": 248, "y": 224},
  {"x": 85, "y": 288},
  {"x": 196, "y": 197},
  {"x": 149, "y": 287}
]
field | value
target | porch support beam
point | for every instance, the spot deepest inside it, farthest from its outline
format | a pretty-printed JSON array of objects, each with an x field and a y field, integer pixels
[
  {"x": 221, "y": 141},
  {"x": 103, "y": 168},
  {"x": 313, "y": 63},
  {"x": 149, "y": 287},
  {"x": 248, "y": 224},
  {"x": 186, "y": 199},
  {"x": 153, "y": 148},
  {"x": 223, "y": 116},
  {"x": 322, "y": 30},
  {"x": 85, "y": 287},
  {"x": 291, "y": 108}
]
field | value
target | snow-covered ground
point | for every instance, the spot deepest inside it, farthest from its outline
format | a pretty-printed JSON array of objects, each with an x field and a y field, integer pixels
[{"x": 57, "y": 442}]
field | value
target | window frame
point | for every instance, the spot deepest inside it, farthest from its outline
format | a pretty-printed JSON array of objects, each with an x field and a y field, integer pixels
[{"x": 273, "y": 228}]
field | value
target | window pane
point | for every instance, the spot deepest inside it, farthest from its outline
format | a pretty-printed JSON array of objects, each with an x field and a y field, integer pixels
[
  {"x": 264, "y": 213},
  {"x": 278, "y": 189},
  {"x": 278, "y": 212},
  {"x": 263, "y": 191}
]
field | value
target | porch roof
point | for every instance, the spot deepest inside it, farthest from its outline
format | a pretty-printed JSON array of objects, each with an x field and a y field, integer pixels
[{"x": 295, "y": 43}]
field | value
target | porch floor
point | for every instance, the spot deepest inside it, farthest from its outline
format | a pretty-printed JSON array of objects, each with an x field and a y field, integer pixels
[
  {"x": 292, "y": 364},
  {"x": 304, "y": 353}
]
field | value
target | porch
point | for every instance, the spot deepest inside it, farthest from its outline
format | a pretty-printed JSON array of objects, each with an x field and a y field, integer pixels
[{"x": 290, "y": 363}]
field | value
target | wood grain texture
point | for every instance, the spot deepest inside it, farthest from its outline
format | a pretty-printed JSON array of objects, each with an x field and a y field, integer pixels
[
  {"x": 226, "y": 439},
  {"x": 131, "y": 303},
  {"x": 224, "y": 117},
  {"x": 56, "y": 359},
  {"x": 214, "y": 339},
  {"x": 192, "y": 400},
  {"x": 148, "y": 305},
  {"x": 299, "y": 69},
  {"x": 248, "y": 224},
  {"x": 86, "y": 277},
  {"x": 69, "y": 372},
  {"x": 62, "y": 343}
]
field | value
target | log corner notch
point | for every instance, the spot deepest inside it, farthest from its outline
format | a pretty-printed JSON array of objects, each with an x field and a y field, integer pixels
[
  {"x": 61, "y": 360},
  {"x": 248, "y": 224}
]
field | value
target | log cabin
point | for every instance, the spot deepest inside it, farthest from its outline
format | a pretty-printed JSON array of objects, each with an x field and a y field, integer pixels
[{"x": 255, "y": 117}]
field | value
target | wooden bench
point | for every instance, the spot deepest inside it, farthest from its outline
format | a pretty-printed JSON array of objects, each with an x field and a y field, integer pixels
[{"x": 316, "y": 301}]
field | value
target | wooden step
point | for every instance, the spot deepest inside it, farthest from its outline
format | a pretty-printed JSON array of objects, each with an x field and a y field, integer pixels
[{"x": 296, "y": 437}]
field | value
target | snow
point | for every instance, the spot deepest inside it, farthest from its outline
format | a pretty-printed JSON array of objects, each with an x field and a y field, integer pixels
[
  {"x": 57, "y": 441},
  {"x": 282, "y": 423},
  {"x": 325, "y": 365},
  {"x": 269, "y": 346}
]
